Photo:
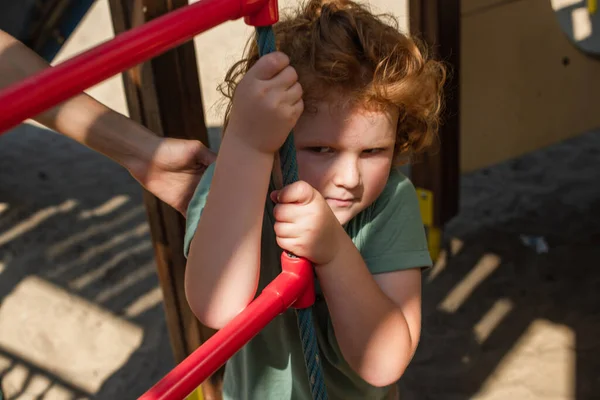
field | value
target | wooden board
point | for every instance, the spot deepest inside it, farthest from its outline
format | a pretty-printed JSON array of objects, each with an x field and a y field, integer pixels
[
  {"x": 164, "y": 95},
  {"x": 437, "y": 22},
  {"x": 526, "y": 88}
]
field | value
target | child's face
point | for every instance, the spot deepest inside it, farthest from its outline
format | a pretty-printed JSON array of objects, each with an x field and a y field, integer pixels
[{"x": 346, "y": 154}]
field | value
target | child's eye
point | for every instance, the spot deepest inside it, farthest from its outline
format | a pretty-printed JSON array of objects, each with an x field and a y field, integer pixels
[
  {"x": 373, "y": 151},
  {"x": 320, "y": 149}
]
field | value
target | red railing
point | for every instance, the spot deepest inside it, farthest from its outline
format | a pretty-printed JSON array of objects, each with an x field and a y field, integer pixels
[
  {"x": 42, "y": 91},
  {"x": 294, "y": 287}
]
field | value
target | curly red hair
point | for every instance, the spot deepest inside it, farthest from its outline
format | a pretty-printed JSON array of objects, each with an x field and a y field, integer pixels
[{"x": 340, "y": 47}]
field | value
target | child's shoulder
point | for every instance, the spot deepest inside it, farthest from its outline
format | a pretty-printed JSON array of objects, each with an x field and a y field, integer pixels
[
  {"x": 390, "y": 234},
  {"x": 398, "y": 189},
  {"x": 398, "y": 201}
]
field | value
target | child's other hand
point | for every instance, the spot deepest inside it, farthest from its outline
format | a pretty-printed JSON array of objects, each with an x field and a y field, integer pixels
[
  {"x": 305, "y": 224},
  {"x": 267, "y": 103}
]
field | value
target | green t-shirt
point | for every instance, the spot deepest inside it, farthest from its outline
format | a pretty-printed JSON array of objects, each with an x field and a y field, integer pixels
[{"x": 390, "y": 236}]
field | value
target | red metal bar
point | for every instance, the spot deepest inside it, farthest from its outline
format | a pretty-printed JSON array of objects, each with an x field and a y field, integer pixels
[
  {"x": 293, "y": 287},
  {"x": 42, "y": 91}
]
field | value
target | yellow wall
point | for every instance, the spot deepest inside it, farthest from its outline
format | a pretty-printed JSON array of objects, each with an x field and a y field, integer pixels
[{"x": 517, "y": 95}]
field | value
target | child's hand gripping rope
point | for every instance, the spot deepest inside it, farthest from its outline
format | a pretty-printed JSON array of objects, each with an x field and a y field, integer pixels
[
  {"x": 305, "y": 224},
  {"x": 267, "y": 103}
]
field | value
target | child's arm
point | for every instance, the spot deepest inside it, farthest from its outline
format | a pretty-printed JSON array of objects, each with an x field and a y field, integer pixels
[
  {"x": 224, "y": 256},
  {"x": 169, "y": 168},
  {"x": 376, "y": 319}
]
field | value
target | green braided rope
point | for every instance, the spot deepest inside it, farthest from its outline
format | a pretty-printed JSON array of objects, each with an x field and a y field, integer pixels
[{"x": 289, "y": 169}]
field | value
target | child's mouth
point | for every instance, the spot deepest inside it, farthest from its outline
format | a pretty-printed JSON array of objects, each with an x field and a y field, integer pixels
[{"x": 340, "y": 203}]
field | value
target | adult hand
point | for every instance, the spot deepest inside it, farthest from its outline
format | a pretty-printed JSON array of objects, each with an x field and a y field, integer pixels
[{"x": 172, "y": 170}]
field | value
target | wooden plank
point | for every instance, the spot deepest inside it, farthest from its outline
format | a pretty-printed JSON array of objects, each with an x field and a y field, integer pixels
[
  {"x": 164, "y": 95},
  {"x": 437, "y": 22}
]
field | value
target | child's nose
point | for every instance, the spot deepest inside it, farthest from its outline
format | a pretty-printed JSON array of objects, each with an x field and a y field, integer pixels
[{"x": 347, "y": 173}]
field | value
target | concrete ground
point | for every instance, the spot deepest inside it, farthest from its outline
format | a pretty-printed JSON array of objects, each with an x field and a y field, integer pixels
[{"x": 80, "y": 308}]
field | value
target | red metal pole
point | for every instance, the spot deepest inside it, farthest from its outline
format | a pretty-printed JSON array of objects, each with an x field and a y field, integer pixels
[
  {"x": 42, "y": 91},
  {"x": 293, "y": 287}
]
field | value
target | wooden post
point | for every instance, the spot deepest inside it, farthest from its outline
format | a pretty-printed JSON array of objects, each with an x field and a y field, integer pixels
[
  {"x": 164, "y": 95},
  {"x": 436, "y": 175}
]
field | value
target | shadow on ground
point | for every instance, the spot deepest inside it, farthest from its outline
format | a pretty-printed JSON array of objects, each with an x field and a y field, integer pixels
[
  {"x": 500, "y": 319},
  {"x": 73, "y": 227}
]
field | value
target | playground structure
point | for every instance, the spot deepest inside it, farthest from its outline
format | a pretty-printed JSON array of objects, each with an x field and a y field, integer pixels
[
  {"x": 293, "y": 287},
  {"x": 49, "y": 88},
  {"x": 173, "y": 119}
]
